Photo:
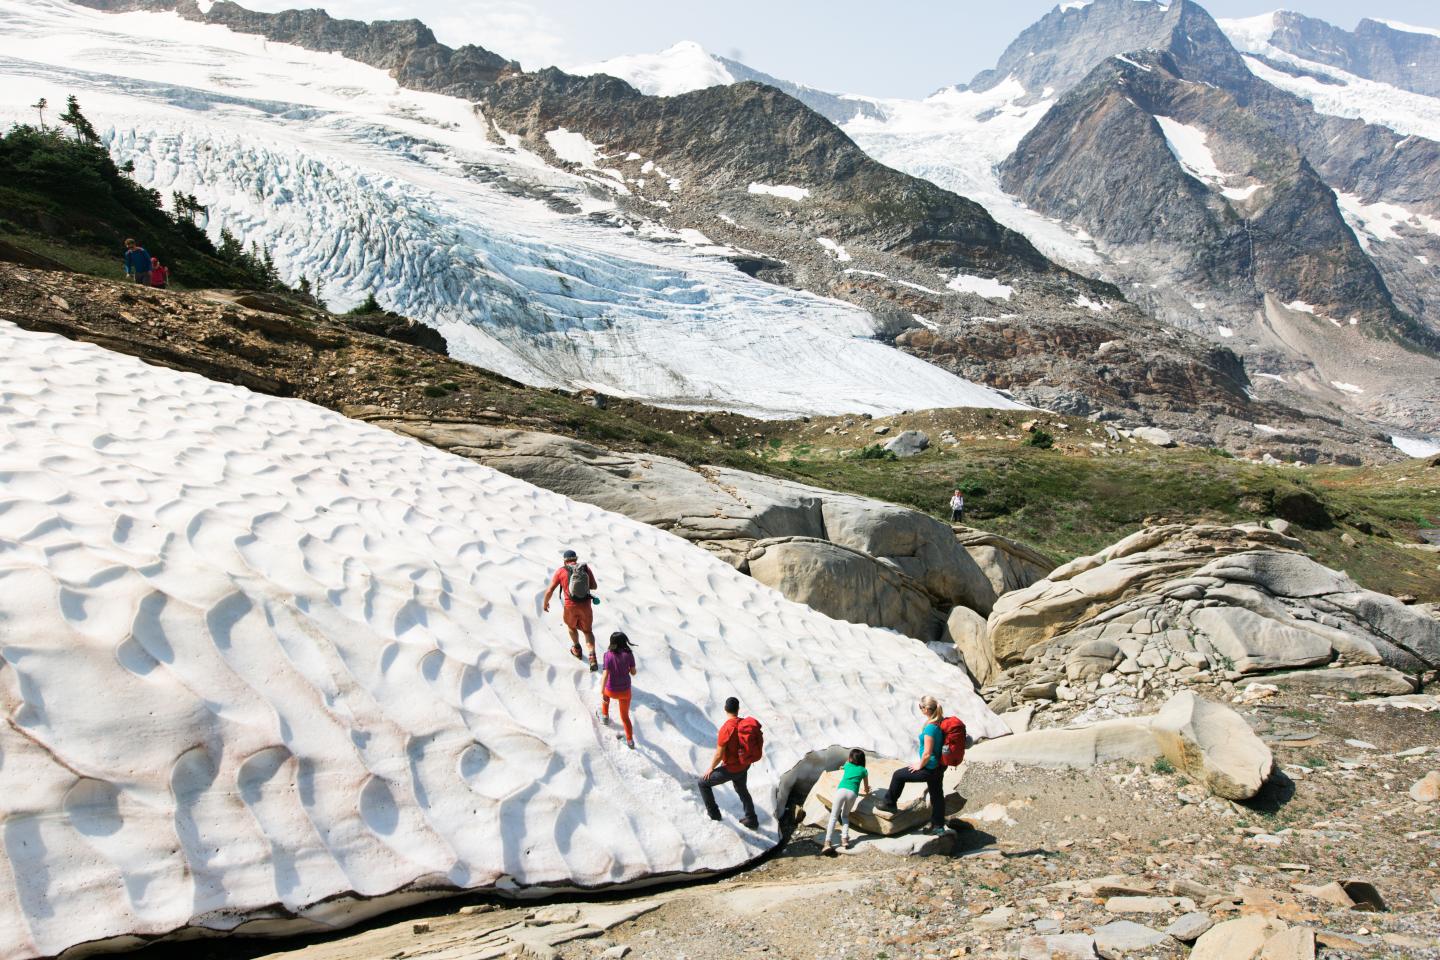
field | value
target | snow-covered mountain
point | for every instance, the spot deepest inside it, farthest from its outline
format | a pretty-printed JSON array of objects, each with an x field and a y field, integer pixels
[
  {"x": 371, "y": 187},
  {"x": 1231, "y": 192},
  {"x": 265, "y": 667}
]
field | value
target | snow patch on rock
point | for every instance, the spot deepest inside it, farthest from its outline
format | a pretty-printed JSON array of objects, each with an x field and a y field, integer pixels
[
  {"x": 987, "y": 287},
  {"x": 259, "y": 655}
]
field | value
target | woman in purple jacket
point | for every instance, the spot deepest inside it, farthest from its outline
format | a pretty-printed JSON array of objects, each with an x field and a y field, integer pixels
[{"x": 615, "y": 682}]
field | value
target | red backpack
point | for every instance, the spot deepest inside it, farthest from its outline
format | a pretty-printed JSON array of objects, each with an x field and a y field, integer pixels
[
  {"x": 953, "y": 750},
  {"x": 752, "y": 740}
]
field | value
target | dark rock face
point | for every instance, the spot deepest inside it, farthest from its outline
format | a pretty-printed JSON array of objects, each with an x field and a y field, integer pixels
[
  {"x": 1059, "y": 50},
  {"x": 1374, "y": 50},
  {"x": 1287, "y": 238}
]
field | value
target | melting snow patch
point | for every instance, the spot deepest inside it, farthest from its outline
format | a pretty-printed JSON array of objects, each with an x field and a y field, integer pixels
[
  {"x": 573, "y": 147},
  {"x": 1273, "y": 376},
  {"x": 1346, "y": 387},
  {"x": 986, "y": 287},
  {"x": 1124, "y": 59},
  {"x": 1262, "y": 427},
  {"x": 262, "y": 628},
  {"x": 1224, "y": 331},
  {"x": 789, "y": 193},
  {"x": 1187, "y": 143},
  {"x": 1415, "y": 446},
  {"x": 1241, "y": 193},
  {"x": 1300, "y": 306},
  {"x": 1095, "y": 306},
  {"x": 1379, "y": 220},
  {"x": 835, "y": 250},
  {"x": 927, "y": 324}
]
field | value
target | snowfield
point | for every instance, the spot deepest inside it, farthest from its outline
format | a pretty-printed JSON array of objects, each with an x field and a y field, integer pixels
[
  {"x": 262, "y": 663},
  {"x": 372, "y": 189},
  {"x": 684, "y": 67}
]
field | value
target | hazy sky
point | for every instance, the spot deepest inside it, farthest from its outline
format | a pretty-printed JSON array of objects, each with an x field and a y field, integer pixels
[{"x": 905, "y": 48}]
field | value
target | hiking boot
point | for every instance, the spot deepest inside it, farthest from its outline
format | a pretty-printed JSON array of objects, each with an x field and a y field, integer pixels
[
  {"x": 630, "y": 744},
  {"x": 846, "y": 842},
  {"x": 829, "y": 851},
  {"x": 887, "y": 805},
  {"x": 605, "y": 719},
  {"x": 750, "y": 823},
  {"x": 594, "y": 665},
  {"x": 576, "y": 652},
  {"x": 939, "y": 831}
]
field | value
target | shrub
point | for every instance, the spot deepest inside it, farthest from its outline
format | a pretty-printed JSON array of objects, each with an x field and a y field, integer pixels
[
  {"x": 1040, "y": 439},
  {"x": 874, "y": 452}
]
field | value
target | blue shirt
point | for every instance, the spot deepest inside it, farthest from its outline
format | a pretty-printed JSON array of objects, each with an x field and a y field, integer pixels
[
  {"x": 137, "y": 260},
  {"x": 931, "y": 730}
]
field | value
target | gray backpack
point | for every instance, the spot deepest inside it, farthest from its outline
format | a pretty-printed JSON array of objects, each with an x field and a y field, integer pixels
[{"x": 579, "y": 585}]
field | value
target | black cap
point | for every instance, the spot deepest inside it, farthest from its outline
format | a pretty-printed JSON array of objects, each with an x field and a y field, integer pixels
[
  {"x": 571, "y": 555},
  {"x": 732, "y": 705}
]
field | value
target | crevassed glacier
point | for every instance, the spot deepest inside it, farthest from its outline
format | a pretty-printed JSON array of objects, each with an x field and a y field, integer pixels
[{"x": 369, "y": 188}]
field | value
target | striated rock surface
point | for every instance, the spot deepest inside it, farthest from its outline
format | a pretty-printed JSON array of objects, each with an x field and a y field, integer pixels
[{"x": 1173, "y": 601}]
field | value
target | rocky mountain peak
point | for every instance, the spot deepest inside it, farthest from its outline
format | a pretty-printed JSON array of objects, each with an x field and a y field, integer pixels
[
  {"x": 1061, "y": 48},
  {"x": 1407, "y": 57}
]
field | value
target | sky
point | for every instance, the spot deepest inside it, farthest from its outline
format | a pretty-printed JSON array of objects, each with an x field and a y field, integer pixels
[{"x": 843, "y": 46}]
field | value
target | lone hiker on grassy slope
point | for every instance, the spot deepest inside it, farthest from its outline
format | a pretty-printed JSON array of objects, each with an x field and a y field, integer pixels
[
  {"x": 941, "y": 745},
  {"x": 575, "y": 581},
  {"x": 739, "y": 744}
]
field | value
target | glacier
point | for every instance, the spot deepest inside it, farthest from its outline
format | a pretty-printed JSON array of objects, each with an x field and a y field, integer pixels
[
  {"x": 269, "y": 669},
  {"x": 524, "y": 268}
]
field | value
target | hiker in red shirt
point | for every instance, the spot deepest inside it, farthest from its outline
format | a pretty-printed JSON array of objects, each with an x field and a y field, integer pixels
[
  {"x": 575, "y": 581},
  {"x": 159, "y": 274},
  {"x": 738, "y": 745}
]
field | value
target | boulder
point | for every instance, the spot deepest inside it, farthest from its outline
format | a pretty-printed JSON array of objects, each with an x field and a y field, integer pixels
[
  {"x": 968, "y": 631},
  {"x": 921, "y": 546},
  {"x": 843, "y": 583},
  {"x": 1078, "y": 749},
  {"x": 1248, "y": 643},
  {"x": 1058, "y": 946},
  {"x": 1154, "y": 436},
  {"x": 864, "y": 816},
  {"x": 1091, "y": 660},
  {"x": 1188, "y": 928},
  {"x": 1369, "y": 680},
  {"x": 1007, "y": 564},
  {"x": 1427, "y": 788},
  {"x": 1213, "y": 745},
  {"x": 907, "y": 443},
  {"x": 1125, "y": 936},
  {"x": 1241, "y": 939}
]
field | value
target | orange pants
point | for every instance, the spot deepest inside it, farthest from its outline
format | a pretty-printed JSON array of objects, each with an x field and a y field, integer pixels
[{"x": 624, "y": 700}]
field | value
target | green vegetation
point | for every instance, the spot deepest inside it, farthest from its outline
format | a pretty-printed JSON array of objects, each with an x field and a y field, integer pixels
[
  {"x": 63, "y": 197},
  {"x": 1163, "y": 765},
  {"x": 874, "y": 452},
  {"x": 1040, "y": 440},
  {"x": 370, "y": 306}
]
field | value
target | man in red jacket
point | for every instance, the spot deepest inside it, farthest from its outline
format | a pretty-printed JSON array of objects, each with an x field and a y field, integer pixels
[
  {"x": 579, "y": 609},
  {"x": 728, "y": 767}
]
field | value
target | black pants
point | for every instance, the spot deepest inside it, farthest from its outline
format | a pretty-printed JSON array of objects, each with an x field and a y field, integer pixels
[
  {"x": 718, "y": 776},
  {"x": 957, "y": 514},
  {"x": 934, "y": 780}
]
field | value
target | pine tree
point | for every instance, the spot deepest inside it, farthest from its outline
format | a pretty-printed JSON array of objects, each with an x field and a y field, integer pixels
[
  {"x": 40, "y": 106},
  {"x": 84, "y": 131}
]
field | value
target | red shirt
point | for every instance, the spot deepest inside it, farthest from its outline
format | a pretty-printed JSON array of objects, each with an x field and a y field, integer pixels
[
  {"x": 562, "y": 580},
  {"x": 159, "y": 275},
  {"x": 730, "y": 740}
]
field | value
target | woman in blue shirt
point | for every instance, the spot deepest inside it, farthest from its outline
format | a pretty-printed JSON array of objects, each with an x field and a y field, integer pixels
[{"x": 926, "y": 769}]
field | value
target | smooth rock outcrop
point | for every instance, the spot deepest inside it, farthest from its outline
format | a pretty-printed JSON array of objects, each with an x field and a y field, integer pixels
[
  {"x": 865, "y": 816},
  {"x": 1154, "y": 436},
  {"x": 1207, "y": 741},
  {"x": 967, "y": 630},
  {"x": 845, "y": 584},
  {"x": 908, "y": 443},
  {"x": 1177, "y": 599},
  {"x": 1371, "y": 680},
  {"x": 1213, "y": 745}
]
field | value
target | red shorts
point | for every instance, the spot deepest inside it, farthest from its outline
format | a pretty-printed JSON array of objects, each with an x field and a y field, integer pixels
[{"x": 580, "y": 616}]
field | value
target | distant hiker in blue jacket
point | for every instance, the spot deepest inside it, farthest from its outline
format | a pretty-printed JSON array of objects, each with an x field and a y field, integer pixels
[{"x": 137, "y": 262}]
